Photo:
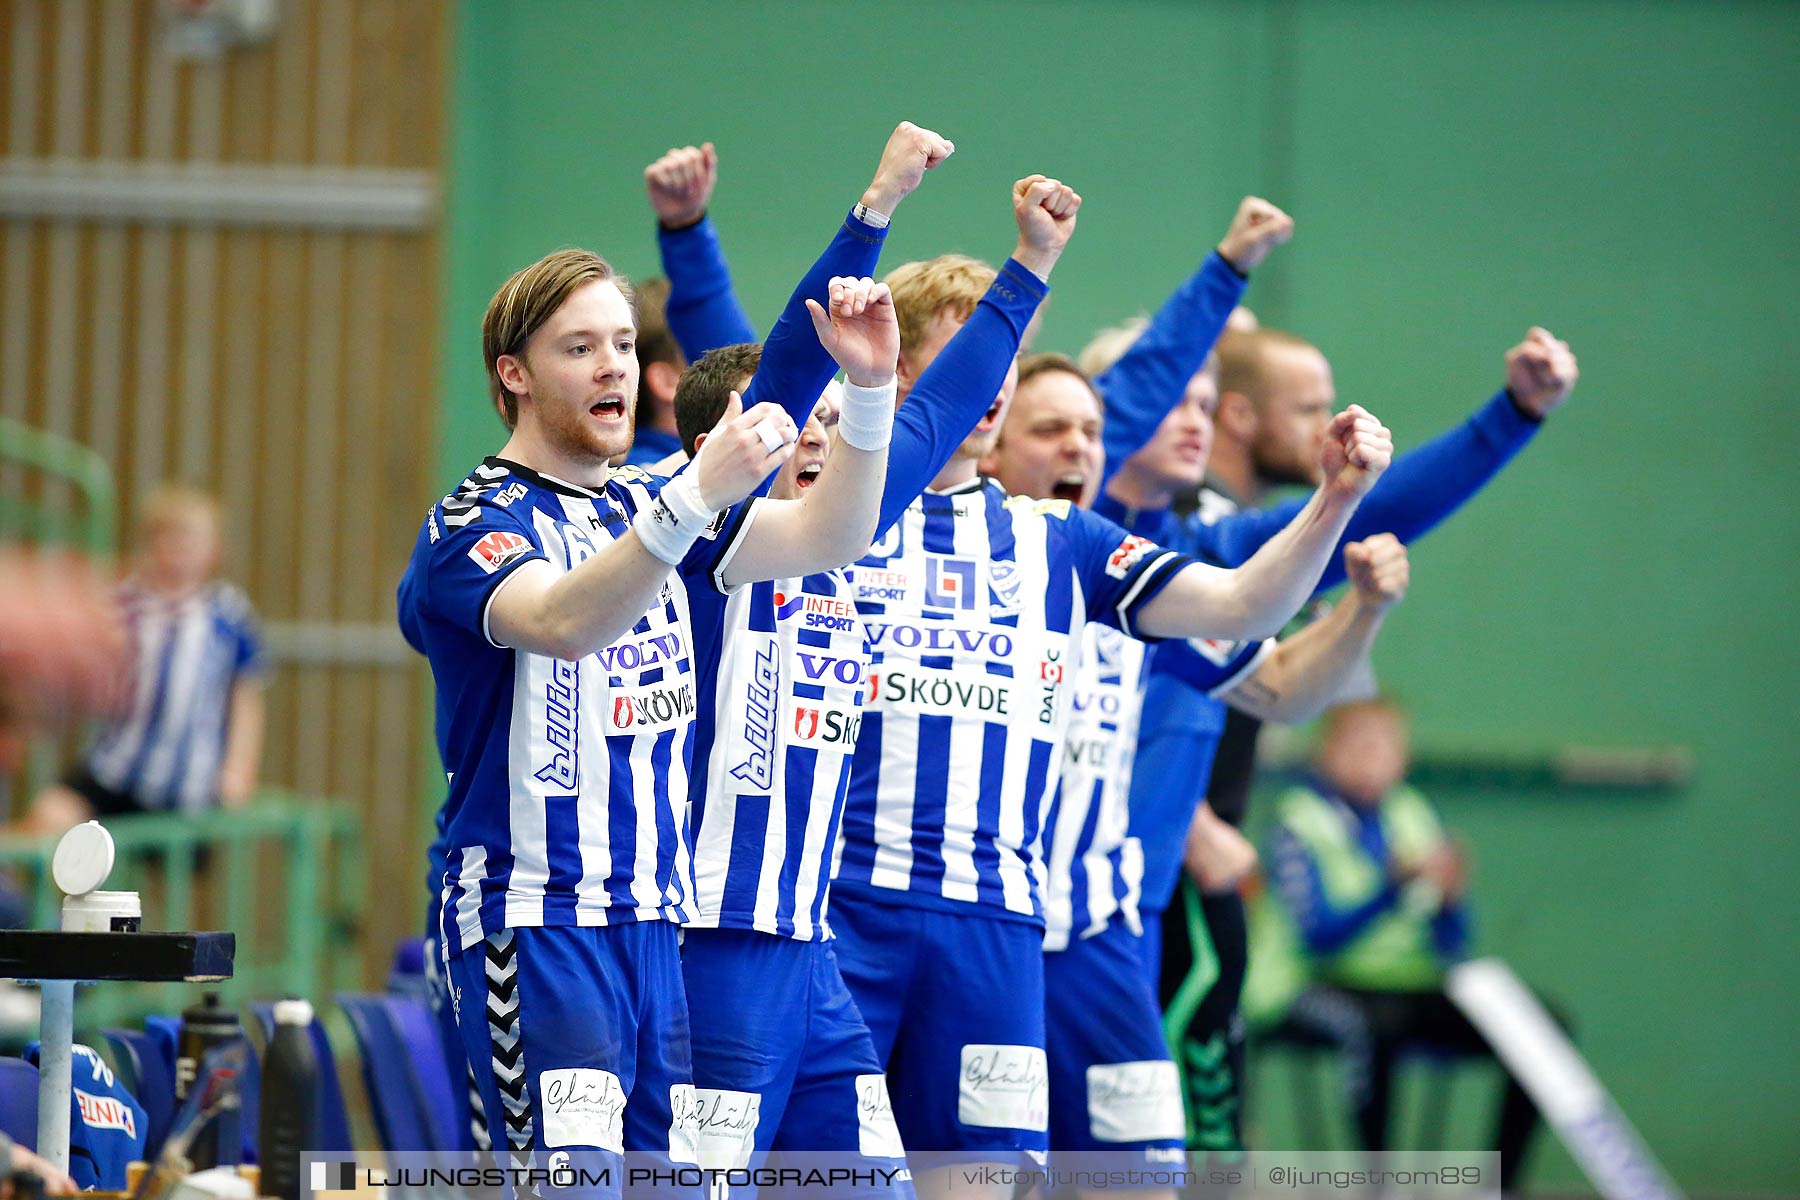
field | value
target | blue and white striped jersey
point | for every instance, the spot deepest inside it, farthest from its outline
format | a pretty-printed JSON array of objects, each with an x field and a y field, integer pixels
[
  {"x": 781, "y": 704},
  {"x": 974, "y": 605},
  {"x": 188, "y": 651},
  {"x": 1093, "y": 869},
  {"x": 567, "y": 780}
]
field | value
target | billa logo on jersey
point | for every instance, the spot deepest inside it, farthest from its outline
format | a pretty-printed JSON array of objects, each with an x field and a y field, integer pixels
[
  {"x": 755, "y": 741},
  {"x": 562, "y": 701},
  {"x": 498, "y": 548},
  {"x": 104, "y": 1112},
  {"x": 651, "y": 710},
  {"x": 1130, "y": 552},
  {"x": 949, "y": 582}
]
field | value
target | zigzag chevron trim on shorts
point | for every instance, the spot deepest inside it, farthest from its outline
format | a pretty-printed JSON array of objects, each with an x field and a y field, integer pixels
[{"x": 507, "y": 1047}]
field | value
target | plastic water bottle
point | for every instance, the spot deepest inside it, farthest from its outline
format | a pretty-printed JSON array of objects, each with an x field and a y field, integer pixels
[
  {"x": 204, "y": 1027},
  {"x": 290, "y": 1100}
]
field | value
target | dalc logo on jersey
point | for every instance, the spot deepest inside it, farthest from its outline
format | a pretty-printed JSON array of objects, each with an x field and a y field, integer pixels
[
  {"x": 1127, "y": 556},
  {"x": 497, "y": 549}
]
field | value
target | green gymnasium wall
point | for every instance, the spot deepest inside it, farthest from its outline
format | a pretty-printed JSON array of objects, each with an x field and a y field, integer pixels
[{"x": 1622, "y": 173}]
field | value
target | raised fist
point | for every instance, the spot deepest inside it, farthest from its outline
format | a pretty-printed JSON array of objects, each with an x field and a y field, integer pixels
[
  {"x": 738, "y": 454},
  {"x": 1357, "y": 450},
  {"x": 1541, "y": 372},
  {"x": 1045, "y": 211},
  {"x": 1378, "y": 570},
  {"x": 910, "y": 152},
  {"x": 860, "y": 330},
  {"x": 681, "y": 184},
  {"x": 1257, "y": 228}
]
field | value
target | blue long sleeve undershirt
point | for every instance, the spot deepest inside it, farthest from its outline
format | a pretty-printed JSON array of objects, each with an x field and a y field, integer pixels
[
  {"x": 1415, "y": 494},
  {"x": 1150, "y": 378},
  {"x": 795, "y": 367},
  {"x": 702, "y": 310}
]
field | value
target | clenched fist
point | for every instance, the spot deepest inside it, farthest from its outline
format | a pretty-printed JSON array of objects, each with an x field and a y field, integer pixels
[
  {"x": 1378, "y": 570},
  {"x": 1045, "y": 211},
  {"x": 1257, "y": 228},
  {"x": 910, "y": 152},
  {"x": 860, "y": 330},
  {"x": 735, "y": 456},
  {"x": 681, "y": 184},
  {"x": 1357, "y": 450},
  {"x": 1541, "y": 372}
]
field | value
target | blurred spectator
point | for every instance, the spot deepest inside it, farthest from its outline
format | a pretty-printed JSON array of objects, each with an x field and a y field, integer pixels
[
  {"x": 62, "y": 647},
  {"x": 1376, "y": 891},
  {"x": 189, "y": 734}
]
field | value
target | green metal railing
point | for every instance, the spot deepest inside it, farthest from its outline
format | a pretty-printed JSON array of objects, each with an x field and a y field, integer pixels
[
  {"x": 26, "y": 520},
  {"x": 287, "y": 869}
]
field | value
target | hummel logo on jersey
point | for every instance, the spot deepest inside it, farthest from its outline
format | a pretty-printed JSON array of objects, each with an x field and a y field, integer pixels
[
  {"x": 645, "y": 652},
  {"x": 1127, "y": 556},
  {"x": 497, "y": 549},
  {"x": 653, "y": 708},
  {"x": 949, "y": 582},
  {"x": 562, "y": 700}
]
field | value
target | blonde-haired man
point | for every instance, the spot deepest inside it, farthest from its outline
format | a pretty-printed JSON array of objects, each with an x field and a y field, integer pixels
[{"x": 553, "y": 597}]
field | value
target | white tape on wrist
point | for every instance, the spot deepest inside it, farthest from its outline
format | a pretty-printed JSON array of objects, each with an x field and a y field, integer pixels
[
  {"x": 867, "y": 419},
  {"x": 674, "y": 519},
  {"x": 770, "y": 433}
]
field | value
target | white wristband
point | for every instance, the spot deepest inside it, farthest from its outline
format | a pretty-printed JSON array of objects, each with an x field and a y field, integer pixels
[
  {"x": 867, "y": 419},
  {"x": 674, "y": 519}
]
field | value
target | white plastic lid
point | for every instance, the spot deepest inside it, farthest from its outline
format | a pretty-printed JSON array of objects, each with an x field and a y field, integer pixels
[
  {"x": 83, "y": 859},
  {"x": 293, "y": 1012}
]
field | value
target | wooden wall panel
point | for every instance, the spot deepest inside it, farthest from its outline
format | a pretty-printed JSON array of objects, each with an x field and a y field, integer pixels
[{"x": 290, "y": 370}]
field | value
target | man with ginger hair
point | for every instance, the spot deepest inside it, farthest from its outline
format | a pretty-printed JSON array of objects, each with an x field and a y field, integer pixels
[{"x": 552, "y": 595}]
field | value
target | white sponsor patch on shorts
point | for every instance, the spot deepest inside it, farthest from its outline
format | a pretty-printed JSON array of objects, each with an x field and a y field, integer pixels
[
  {"x": 1135, "y": 1101},
  {"x": 583, "y": 1106},
  {"x": 725, "y": 1127},
  {"x": 684, "y": 1117},
  {"x": 1004, "y": 1087},
  {"x": 876, "y": 1134}
]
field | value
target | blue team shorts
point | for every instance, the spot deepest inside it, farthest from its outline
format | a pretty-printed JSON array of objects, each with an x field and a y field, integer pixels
[
  {"x": 955, "y": 1005},
  {"x": 580, "y": 1040},
  {"x": 783, "y": 1061},
  {"x": 1112, "y": 1084}
]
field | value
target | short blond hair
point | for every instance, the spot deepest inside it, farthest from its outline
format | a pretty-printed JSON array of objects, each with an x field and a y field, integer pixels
[
  {"x": 949, "y": 283},
  {"x": 528, "y": 299},
  {"x": 1109, "y": 345},
  {"x": 170, "y": 504}
]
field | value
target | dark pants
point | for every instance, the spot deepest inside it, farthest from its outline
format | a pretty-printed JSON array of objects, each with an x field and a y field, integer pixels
[{"x": 1374, "y": 1027}]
